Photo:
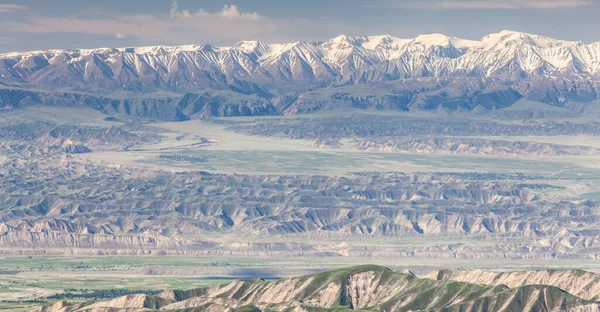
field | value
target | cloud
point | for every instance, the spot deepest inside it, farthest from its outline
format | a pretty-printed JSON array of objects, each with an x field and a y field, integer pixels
[
  {"x": 489, "y": 4},
  {"x": 173, "y": 26},
  {"x": 182, "y": 26},
  {"x": 230, "y": 12},
  {"x": 7, "y": 8}
]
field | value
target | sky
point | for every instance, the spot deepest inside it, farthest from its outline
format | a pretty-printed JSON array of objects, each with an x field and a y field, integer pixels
[{"x": 52, "y": 24}]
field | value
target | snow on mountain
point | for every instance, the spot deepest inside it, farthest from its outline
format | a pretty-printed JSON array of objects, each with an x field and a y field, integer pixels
[
  {"x": 344, "y": 59},
  {"x": 441, "y": 40},
  {"x": 506, "y": 37}
]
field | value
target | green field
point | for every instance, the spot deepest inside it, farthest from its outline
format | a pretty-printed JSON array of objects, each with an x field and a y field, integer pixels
[
  {"x": 591, "y": 195},
  {"x": 341, "y": 163}
]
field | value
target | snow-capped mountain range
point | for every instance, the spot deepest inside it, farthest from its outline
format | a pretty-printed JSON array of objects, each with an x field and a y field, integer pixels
[
  {"x": 519, "y": 61},
  {"x": 344, "y": 59}
]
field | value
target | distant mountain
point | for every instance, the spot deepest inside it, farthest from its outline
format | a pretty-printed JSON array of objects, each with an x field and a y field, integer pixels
[{"x": 434, "y": 70}]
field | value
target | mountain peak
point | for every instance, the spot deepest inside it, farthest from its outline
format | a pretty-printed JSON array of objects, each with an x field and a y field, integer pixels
[
  {"x": 508, "y": 37},
  {"x": 442, "y": 40},
  {"x": 249, "y": 46},
  {"x": 508, "y": 32},
  {"x": 383, "y": 41},
  {"x": 342, "y": 41},
  {"x": 342, "y": 38},
  {"x": 433, "y": 39}
]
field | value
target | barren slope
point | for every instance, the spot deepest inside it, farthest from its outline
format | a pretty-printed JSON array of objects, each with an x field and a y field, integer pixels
[{"x": 359, "y": 288}]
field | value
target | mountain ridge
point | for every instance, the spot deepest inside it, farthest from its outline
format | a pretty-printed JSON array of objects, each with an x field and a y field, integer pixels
[
  {"x": 425, "y": 55},
  {"x": 366, "y": 41},
  {"x": 427, "y": 72},
  {"x": 359, "y": 288}
]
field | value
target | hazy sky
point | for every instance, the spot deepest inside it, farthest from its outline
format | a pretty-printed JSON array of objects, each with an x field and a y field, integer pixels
[{"x": 44, "y": 24}]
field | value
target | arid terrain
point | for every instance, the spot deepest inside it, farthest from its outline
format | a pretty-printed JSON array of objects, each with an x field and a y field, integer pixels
[
  {"x": 361, "y": 173},
  {"x": 139, "y": 207}
]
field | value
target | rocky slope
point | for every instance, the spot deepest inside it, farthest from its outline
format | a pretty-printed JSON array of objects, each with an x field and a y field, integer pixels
[
  {"x": 583, "y": 284},
  {"x": 429, "y": 72},
  {"x": 171, "y": 107},
  {"x": 52, "y": 201},
  {"x": 358, "y": 125},
  {"x": 74, "y": 139},
  {"x": 365, "y": 288},
  {"x": 470, "y": 146}
]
